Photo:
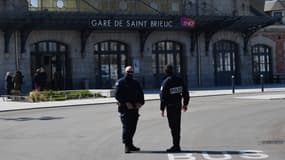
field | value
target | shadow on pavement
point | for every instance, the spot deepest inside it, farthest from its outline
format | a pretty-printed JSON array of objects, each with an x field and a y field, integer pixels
[{"x": 30, "y": 118}]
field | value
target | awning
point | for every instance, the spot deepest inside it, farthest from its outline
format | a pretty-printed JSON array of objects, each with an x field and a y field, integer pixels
[
  {"x": 237, "y": 23},
  {"x": 81, "y": 21}
]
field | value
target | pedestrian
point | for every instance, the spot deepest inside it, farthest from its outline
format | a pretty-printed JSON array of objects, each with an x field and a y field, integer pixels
[
  {"x": 8, "y": 83},
  {"x": 18, "y": 81},
  {"x": 37, "y": 81},
  {"x": 173, "y": 89},
  {"x": 130, "y": 97},
  {"x": 57, "y": 81},
  {"x": 43, "y": 79}
]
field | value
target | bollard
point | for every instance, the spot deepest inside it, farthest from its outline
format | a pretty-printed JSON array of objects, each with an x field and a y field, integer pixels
[
  {"x": 233, "y": 84},
  {"x": 262, "y": 83}
]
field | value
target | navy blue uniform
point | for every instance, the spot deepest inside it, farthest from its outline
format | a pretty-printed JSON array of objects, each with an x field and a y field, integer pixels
[
  {"x": 128, "y": 90},
  {"x": 172, "y": 91}
]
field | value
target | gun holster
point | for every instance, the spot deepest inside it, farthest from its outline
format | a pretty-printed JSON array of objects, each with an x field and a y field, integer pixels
[{"x": 121, "y": 107}]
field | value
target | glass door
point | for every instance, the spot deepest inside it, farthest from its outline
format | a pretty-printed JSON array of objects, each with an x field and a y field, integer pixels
[
  {"x": 261, "y": 63},
  {"x": 111, "y": 60},
  {"x": 226, "y": 63},
  {"x": 163, "y": 53},
  {"x": 51, "y": 56}
]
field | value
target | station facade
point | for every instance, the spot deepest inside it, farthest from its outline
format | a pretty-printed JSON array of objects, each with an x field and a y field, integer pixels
[{"x": 88, "y": 43}]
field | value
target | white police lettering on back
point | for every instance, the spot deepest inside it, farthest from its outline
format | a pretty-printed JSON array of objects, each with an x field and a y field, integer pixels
[{"x": 176, "y": 90}]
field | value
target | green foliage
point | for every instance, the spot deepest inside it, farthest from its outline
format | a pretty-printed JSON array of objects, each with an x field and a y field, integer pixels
[{"x": 36, "y": 96}]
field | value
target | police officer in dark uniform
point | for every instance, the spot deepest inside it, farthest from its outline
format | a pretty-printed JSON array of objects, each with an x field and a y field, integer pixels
[
  {"x": 130, "y": 97},
  {"x": 172, "y": 91}
]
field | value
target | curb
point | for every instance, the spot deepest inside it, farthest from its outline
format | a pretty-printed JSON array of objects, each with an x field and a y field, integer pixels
[{"x": 153, "y": 99}]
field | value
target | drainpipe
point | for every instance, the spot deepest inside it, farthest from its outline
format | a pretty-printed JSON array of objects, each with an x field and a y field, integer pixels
[
  {"x": 197, "y": 7},
  {"x": 78, "y": 6},
  {"x": 16, "y": 50},
  {"x": 198, "y": 49},
  {"x": 198, "y": 60}
]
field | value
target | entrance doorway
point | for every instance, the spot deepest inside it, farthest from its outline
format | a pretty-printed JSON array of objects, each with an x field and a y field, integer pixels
[
  {"x": 226, "y": 62},
  {"x": 111, "y": 58},
  {"x": 51, "y": 56},
  {"x": 261, "y": 63},
  {"x": 163, "y": 53}
]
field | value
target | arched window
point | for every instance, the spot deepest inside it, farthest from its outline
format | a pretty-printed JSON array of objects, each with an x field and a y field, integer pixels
[
  {"x": 111, "y": 58},
  {"x": 226, "y": 62},
  {"x": 261, "y": 63},
  {"x": 163, "y": 53},
  {"x": 52, "y": 56}
]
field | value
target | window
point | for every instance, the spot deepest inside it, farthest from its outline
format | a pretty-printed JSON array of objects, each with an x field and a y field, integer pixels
[
  {"x": 110, "y": 6},
  {"x": 277, "y": 14},
  {"x": 62, "y": 48},
  {"x": 123, "y": 5},
  {"x": 110, "y": 62},
  {"x": 52, "y": 57},
  {"x": 175, "y": 7},
  {"x": 261, "y": 59},
  {"x": 34, "y": 3},
  {"x": 42, "y": 47},
  {"x": 261, "y": 63},
  {"x": 154, "y": 5},
  {"x": 163, "y": 53},
  {"x": 226, "y": 62}
]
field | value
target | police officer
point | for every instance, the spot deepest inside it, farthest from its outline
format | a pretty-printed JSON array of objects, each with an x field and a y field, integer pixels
[
  {"x": 172, "y": 91},
  {"x": 130, "y": 97}
]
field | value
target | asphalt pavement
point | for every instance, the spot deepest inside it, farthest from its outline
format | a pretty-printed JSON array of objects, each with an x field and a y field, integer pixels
[
  {"x": 228, "y": 127},
  {"x": 7, "y": 105}
]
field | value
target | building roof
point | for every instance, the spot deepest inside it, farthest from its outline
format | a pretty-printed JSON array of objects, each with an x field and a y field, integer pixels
[
  {"x": 257, "y": 5},
  {"x": 274, "y": 5}
]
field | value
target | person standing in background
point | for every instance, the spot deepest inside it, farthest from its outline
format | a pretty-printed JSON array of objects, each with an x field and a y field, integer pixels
[
  {"x": 36, "y": 79},
  {"x": 8, "y": 83},
  {"x": 43, "y": 79},
  {"x": 18, "y": 81}
]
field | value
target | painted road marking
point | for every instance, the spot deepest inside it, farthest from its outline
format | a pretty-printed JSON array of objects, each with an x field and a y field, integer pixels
[
  {"x": 223, "y": 155},
  {"x": 264, "y": 97}
]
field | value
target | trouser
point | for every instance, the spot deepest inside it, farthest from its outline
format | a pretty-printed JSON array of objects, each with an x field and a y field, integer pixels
[
  {"x": 8, "y": 91},
  {"x": 174, "y": 121},
  {"x": 129, "y": 121}
]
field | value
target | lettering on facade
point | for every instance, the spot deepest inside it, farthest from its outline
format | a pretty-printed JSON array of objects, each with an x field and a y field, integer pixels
[{"x": 135, "y": 23}]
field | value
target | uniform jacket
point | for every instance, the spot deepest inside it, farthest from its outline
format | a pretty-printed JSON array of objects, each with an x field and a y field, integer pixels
[
  {"x": 172, "y": 91},
  {"x": 128, "y": 90}
]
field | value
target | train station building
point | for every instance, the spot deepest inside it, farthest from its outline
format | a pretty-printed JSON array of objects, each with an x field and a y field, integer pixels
[{"x": 88, "y": 43}]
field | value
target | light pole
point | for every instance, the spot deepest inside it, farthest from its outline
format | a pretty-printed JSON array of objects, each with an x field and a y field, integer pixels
[{"x": 262, "y": 82}]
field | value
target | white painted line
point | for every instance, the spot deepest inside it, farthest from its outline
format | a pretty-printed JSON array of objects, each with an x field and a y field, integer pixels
[
  {"x": 264, "y": 97},
  {"x": 223, "y": 155}
]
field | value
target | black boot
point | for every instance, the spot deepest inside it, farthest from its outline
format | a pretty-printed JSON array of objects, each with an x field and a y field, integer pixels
[
  {"x": 127, "y": 149},
  {"x": 134, "y": 148},
  {"x": 174, "y": 149},
  {"x": 131, "y": 148}
]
